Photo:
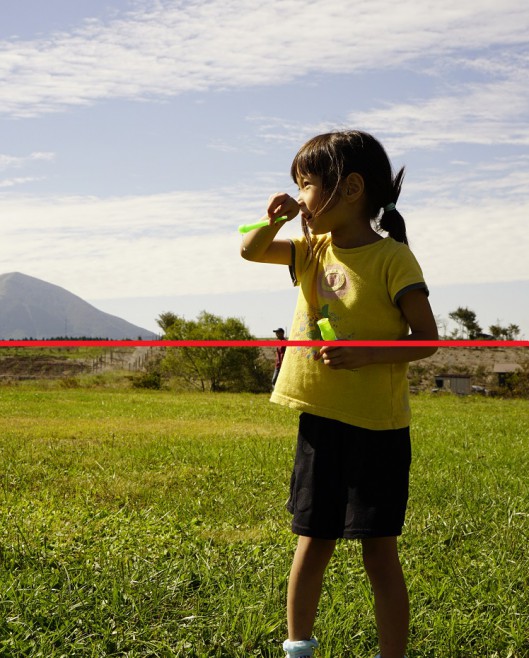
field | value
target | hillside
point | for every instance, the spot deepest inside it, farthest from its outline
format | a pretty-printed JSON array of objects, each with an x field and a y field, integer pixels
[
  {"x": 32, "y": 308},
  {"x": 479, "y": 362}
]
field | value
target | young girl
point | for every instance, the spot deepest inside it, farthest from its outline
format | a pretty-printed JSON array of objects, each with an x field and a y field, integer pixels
[{"x": 350, "y": 476}]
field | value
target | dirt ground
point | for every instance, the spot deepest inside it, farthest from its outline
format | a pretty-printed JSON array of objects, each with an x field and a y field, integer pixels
[{"x": 476, "y": 361}]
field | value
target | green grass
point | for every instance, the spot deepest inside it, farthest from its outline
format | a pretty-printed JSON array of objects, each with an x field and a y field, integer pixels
[
  {"x": 54, "y": 352},
  {"x": 144, "y": 523}
]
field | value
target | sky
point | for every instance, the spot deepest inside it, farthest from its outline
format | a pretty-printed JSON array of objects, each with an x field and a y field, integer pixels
[{"x": 136, "y": 135}]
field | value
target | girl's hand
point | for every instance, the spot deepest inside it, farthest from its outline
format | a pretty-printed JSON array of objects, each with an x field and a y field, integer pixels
[
  {"x": 282, "y": 205},
  {"x": 344, "y": 358}
]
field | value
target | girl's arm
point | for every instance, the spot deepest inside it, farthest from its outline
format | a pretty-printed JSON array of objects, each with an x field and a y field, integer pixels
[
  {"x": 259, "y": 245},
  {"x": 416, "y": 309}
]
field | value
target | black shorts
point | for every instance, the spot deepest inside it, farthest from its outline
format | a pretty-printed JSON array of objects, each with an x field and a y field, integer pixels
[{"x": 349, "y": 481}]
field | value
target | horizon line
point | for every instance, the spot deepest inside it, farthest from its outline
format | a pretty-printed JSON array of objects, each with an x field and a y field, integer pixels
[{"x": 264, "y": 343}]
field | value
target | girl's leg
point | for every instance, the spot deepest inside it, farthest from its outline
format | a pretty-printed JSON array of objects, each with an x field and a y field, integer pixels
[
  {"x": 381, "y": 561},
  {"x": 304, "y": 587}
]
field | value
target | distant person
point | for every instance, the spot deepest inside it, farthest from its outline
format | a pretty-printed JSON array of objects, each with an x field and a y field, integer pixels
[
  {"x": 280, "y": 353},
  {"x": 351, "y": 472}
]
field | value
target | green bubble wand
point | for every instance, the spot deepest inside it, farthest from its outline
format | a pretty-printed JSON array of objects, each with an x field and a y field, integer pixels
[{"x": 246, "y": 228}]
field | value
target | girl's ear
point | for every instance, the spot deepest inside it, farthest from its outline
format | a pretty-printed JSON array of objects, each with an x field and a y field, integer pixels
[{"x": 354, "y": 187}]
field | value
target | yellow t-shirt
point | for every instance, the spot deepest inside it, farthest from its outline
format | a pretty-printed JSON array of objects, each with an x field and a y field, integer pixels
[{"x": 358, "y": 290}]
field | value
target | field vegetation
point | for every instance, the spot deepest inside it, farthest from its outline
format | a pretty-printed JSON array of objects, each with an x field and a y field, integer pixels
[
  {"x": 234, "y": 370},
  {"x": 139, "y": 522}
]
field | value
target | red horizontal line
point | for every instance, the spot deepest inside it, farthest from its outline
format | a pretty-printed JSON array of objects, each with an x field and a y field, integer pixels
[{"x": 263, "y": 343}]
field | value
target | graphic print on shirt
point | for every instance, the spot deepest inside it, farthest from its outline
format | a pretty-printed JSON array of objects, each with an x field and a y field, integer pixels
[
  {"x": 333, "y": 282},
  {"x": 307, "y": 329}
]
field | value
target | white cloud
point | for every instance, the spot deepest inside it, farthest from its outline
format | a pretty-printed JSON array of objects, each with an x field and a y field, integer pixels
[
  {"x": 489, "y": 113},
  {"x": 8, "y": 162},
  {"x": 17, "y": 162},
  {"x": 458, "y": 243},
  {"x": 168, "y": 48},
  {"x": 176, "y": 243},
  {"x": 185, "y": 244},
  {"x": 19, "y": 180}
]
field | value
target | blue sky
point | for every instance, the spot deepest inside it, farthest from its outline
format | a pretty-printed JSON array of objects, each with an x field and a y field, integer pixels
[{"x": 136, "y": 135}]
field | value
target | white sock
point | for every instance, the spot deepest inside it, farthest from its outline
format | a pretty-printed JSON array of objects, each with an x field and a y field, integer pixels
[{"x": 300, "y": 648}]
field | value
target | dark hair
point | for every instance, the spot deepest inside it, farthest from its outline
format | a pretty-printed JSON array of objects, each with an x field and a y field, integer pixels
[{"x": 333, "y": 156}]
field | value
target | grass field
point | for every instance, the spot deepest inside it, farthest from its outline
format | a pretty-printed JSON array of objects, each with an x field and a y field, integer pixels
[{"x": 144, "y": 523}]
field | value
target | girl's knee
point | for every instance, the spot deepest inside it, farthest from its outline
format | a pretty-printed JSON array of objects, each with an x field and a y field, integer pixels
[
  {"x": 312, "y": 549},
  {"x": 380, "y": 555}
]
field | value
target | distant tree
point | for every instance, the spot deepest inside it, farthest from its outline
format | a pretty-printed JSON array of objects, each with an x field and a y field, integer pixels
[
  {"x": 442, "y": 325},
  {"x": 511, "y": 332},
  {"x": 467, "y": 323},
  {"x": 213, "y": 368},
  {"x": 166, "y": 320}
]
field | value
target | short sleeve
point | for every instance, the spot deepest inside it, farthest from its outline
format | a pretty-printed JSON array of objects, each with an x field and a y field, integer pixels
[
  {"x": 404, "y": 274},
  {"x": 300, "y": 259}
]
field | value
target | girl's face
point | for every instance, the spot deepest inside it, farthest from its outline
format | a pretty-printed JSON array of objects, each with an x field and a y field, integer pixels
[
  {"x": 309, "y": 196},
  {"x": 310, "y": 201}
]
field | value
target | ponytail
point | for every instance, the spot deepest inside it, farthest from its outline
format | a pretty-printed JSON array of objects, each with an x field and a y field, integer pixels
[{"x": 392, "y": 221}]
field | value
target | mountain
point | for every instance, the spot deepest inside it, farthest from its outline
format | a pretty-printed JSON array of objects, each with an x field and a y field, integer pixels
[{"x": 32, "y": 308}]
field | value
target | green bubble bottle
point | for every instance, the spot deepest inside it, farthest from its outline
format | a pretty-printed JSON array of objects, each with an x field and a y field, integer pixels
[{"x": 327, "y": 332}]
